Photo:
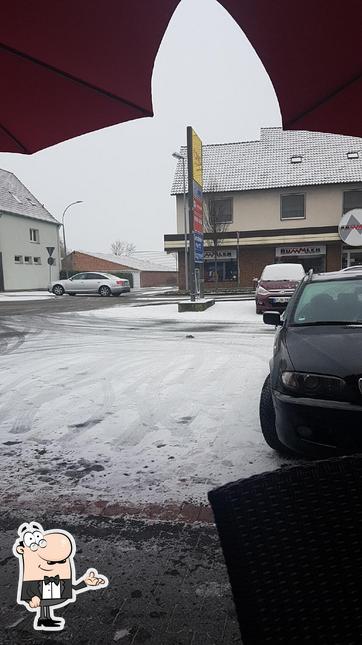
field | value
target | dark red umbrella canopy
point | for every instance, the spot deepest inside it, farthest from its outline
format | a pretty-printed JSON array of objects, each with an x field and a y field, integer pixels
[
  {"x": 68, "y": 67},
  {"x": 312, "y": 52}
]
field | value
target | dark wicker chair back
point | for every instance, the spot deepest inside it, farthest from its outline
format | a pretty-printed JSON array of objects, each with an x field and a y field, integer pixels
[{"x": 292, "y": 542}]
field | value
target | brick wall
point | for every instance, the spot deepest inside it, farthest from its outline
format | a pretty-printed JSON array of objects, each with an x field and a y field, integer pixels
[
  {"x": 334, "y": 257},
  {"x": 252, "y": 260},
  {"x": 81, "y": 262},
  {"x": 158, "y": 278},
  {"x": 181, "y": 270}
]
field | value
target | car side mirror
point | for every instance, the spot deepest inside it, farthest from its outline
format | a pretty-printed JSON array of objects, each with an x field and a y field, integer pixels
[
  {"x": 272, "y": 318},
  {"x": 255, "y": 279}
]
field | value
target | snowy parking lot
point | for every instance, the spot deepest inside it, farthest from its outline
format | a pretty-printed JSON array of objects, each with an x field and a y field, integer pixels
[{"x": 134, "y": 404}]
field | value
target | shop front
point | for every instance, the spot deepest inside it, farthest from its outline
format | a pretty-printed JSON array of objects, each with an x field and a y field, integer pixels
[
  {"x": 351, "y": 256},
  {"x": 311, "y": 256},
  {"x": 224, "y": 269}
]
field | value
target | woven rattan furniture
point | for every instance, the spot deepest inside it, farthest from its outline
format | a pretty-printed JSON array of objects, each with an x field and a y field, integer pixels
[{"x": 292, "y": 542}]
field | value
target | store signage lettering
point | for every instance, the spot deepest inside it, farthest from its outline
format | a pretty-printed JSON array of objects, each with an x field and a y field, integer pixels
[
  {"x": 221, "y": 255},
  {"x": 283, "y": 251}
]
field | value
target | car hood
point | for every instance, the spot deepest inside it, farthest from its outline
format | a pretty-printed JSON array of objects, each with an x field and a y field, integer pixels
[
  {"x": 335, "y": 350},
  {"x": 280, "y": 285}
]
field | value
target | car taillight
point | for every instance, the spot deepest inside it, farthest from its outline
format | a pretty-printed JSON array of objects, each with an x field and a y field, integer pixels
[{"x": 119, "y": 281}]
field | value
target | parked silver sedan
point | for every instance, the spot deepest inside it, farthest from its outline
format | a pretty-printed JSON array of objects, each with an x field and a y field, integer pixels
[{"x": 105, "y": 284}]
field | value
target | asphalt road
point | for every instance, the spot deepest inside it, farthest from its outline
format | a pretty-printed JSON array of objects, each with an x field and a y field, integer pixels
[{"x": 65, "y": 304}]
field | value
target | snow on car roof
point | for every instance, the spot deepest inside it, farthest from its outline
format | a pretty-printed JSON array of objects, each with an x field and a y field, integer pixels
[{"x": 283, "y": 271}]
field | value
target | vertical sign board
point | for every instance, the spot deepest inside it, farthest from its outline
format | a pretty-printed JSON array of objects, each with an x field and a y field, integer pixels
[{"x": 194, "y": 161}]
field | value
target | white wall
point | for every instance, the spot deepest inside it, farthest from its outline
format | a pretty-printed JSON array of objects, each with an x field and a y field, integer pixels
[
  {"x": 15, "y": 240},
  {"x": 260, "y": 209}
]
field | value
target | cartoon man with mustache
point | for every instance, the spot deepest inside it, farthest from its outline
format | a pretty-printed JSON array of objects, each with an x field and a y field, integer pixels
[{"x": 47, "y": 573}]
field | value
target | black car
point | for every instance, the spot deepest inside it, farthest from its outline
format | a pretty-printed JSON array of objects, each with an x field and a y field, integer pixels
[{"x": 311, "y": 403}]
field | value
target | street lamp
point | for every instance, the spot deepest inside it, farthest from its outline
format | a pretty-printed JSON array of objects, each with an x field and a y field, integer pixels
[
  {"x": 79, "y": 201},
  {"x": 181, "y": 158}
]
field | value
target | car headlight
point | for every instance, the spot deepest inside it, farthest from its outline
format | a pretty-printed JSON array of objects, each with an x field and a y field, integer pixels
[
  {"x": 320, "y": 386},
  {"x": 262, "y": 291}
]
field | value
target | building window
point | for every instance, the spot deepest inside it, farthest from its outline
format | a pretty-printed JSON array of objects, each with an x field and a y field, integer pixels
[
  {"x": 296, "y": 159},
  {"x": 292, "y": 207},
  {"x": 221, "y": 210},
  {"x": 34, "y": 235},
  {"x": 353, "y": 155},
  {"x": 223, "y": 272},
  {"x": 28, "y": 259},
  {"x": 352, "y": 199},
  {"x": 37, "y": 260},
  {"x": 18, "y": 259}
]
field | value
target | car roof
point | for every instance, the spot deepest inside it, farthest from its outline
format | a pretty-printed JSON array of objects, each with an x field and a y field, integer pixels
[
  {"x": 335, "y": 275},
  {"x": 98, "y": 272},
  {"x": 354, "y": 267}
]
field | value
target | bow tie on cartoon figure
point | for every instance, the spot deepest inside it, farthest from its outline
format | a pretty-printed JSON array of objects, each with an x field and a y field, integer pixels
[{"x": 47, "y": 574}]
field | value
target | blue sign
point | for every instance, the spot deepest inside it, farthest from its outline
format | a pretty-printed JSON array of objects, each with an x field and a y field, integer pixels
[
  {"x": 197, "y": 191},
  {"x": 199, "y": 247}
]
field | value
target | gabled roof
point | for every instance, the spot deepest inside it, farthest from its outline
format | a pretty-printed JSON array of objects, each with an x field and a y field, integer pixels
[
  {"x": 129, "y": 261},
  {"x": 17, "y": 199},
  {"x": 167, "y": 260},
  {"x": 255, "y": 165}
]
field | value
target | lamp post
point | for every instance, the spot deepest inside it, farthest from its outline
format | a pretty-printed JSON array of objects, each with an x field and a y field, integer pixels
[
  {"x": 79, "y": 201},
  {"x": 181, "y": 158}
]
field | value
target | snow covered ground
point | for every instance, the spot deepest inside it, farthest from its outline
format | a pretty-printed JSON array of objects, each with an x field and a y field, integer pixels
[
  {"x": 13, "y": 296},
  {"x": 133, "y": 403}
]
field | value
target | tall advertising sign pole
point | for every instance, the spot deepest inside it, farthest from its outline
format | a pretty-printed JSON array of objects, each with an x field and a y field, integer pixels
[{"x": 196, "y": 254}]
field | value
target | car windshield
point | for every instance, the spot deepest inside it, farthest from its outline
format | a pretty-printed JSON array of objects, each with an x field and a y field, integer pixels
[
  {"x": 330, "y": 302},
  {"x": 281, "y": 272}
]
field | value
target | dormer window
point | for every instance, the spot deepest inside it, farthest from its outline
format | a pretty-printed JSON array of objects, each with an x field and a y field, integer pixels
[
  {"x": 296, "y": 159},
  {"x": 353, "y": 154},
  {"x": 15, "y": 197}
]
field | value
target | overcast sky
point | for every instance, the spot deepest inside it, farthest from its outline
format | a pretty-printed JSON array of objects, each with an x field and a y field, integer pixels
[{"x": 206, "y": 75}]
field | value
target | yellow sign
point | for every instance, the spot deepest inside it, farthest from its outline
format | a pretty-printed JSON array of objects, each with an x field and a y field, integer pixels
[{"x": 197, "y": 158}]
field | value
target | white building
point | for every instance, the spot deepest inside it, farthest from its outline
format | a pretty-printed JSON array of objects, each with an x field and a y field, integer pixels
[{"x": 26, "y": 230}]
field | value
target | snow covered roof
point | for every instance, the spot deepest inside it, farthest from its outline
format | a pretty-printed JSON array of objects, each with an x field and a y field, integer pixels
[
  {"x": 168, "y": 260},
  {"x": 280, "y": 159},
  {"x": 16, "y": 198},
  {"x": 129, "y": 261}
]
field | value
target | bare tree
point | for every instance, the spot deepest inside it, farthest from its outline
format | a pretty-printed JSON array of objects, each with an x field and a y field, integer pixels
[
  {"x": 215, "y": 225},
  {"x": 120, "y": 247}
]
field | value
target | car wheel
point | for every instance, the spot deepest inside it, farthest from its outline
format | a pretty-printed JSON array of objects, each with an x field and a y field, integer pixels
[
  {"x": 267, "y": 419},
  {"x": 258, "y": 311},
  {"x": 117, "y": 294},
  {"x": 104, "y": 291},
  {"x": 58, "y": 290},
  {"x": 72, "y": 293}
]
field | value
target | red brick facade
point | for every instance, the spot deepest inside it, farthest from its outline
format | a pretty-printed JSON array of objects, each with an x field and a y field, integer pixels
[
  {"x": 252, "y": 260},
  {"x": 77, "y": 261}
]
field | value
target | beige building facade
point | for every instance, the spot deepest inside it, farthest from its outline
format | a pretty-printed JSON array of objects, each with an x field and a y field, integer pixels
[{"x": 279, "y": 199}]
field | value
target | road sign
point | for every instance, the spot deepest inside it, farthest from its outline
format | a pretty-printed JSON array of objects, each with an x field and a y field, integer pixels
[
  {"x": 350, "y": 227},
  {"x": 199, "y": 248},
  {"x": 51, "y": 261},
  {"x": 50, "y": 249}
]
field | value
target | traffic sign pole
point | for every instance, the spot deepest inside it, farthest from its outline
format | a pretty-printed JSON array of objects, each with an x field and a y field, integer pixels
[
  {"x": 195, "y": 199},
  {"x": 191, "y": 216},
  {"x": 51, "y": 261}
]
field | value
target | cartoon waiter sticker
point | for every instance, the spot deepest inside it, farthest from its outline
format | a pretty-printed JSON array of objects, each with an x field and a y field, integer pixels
[{"x": 47, "y": 573}]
